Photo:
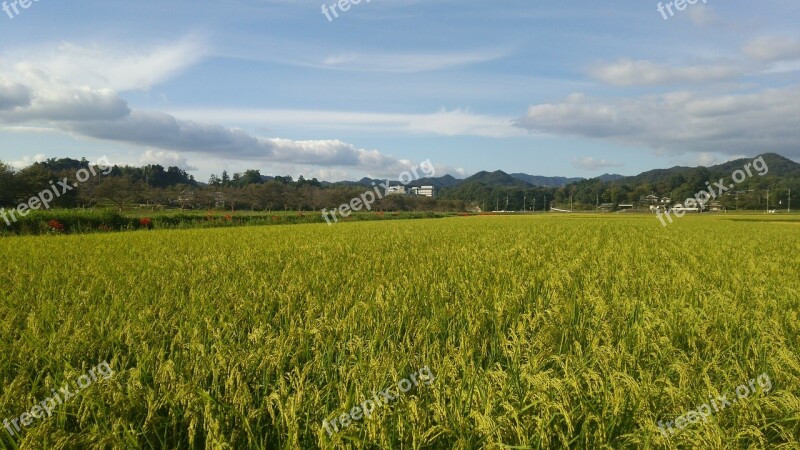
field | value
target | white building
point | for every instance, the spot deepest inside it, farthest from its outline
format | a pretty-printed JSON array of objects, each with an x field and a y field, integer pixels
[
  {"x": 396, "y": 190},
  {"x": 426, "y": 191}
]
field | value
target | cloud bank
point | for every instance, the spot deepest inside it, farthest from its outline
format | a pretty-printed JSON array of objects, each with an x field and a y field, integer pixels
[{"x": 76, "y": 89}]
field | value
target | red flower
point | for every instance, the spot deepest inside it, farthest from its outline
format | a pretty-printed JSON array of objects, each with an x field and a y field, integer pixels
[
  {"x": 145, "y": 222},
  {"x": 228, "y": 217},
  {"x": 55, "y": 226}
]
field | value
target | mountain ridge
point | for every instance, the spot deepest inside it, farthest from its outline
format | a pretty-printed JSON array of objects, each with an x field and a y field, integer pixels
[{"x": 783, "y": 166}]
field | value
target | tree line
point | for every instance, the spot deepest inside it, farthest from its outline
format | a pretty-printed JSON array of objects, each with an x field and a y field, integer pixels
[
  {"x": 676, "y": 184},
  {"x": 156, "y": 187}
]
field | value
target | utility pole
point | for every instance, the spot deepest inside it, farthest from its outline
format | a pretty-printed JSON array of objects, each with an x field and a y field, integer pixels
[
  {"x": 767, "y": 201},
  {"x": 790, "y": 202},
  {"x": 524, "y": 200}
]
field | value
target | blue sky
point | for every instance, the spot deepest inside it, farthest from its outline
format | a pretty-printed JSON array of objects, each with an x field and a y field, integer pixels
[{"x": 574, "y": 88}]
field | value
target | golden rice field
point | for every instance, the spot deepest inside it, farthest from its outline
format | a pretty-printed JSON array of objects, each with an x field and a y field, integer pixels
[{"x": 541, "y": 332}]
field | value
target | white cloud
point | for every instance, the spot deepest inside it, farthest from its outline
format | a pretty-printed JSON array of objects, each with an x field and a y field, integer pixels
[
  {"x": 115, "y": 67},
  {"x": 707, "y": 159},
  {"x": 702, "y": 15},
  {"x": 27, "y": 161},
  {"x": 13, "y": 95},
  {"x": 406, "y": 62},
  {"x": 677, "y": 122},
  {"x": 772, "y": 49},
  {"x": 76, "y": 90},
  {"x": 627, "y": 72},
  {"x": 444, "y": 122},
  {"x": 61, "y": 103},
  {"x": 166, "y": 159},
  {"x": 167, "y": 132},
  {"x": 766, "y": 54},
  {"x": 590, "y": 163}
]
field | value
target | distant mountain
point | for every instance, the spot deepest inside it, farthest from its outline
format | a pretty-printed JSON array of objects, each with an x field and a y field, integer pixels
[
  {"x": 496, "y": 178},
  {"x": 777, "y": 164},
  {"x": 362, "y": 182},
  {"x": 667, "y": 178},
  {"x": 545, "y": 181},
  {"x": 610, "y": 177},
  {"x": 440, "y": 182}
]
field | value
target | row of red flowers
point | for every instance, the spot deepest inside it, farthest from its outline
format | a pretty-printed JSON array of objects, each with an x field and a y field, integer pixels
[{"x": 55, "y": 226}]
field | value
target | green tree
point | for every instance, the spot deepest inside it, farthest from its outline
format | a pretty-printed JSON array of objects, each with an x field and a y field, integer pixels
[{"x": 8, "y": 187}]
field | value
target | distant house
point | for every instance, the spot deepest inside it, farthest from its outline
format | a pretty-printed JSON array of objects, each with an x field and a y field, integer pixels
[
  {"x": 424, "y": 191},
  {"x": 624, "y": 206},
  {"x": 185, "y": 198},
  {"x": 427, "y": 191},
  {"x": 651, "y": 199},
  {"x": 606, "y": 207},
  {"x": 654, "y": 200},
  {"x": 219, "y": 200},
  {"x": 396, "y": 190}
]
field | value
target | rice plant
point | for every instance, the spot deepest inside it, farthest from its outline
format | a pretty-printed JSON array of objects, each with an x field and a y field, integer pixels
[{"x": 542, "y": 332}]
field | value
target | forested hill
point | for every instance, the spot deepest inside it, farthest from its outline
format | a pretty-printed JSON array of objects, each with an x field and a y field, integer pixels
[
  {"x": 174, "y": 187},
  {"x": 498, "y": 189}
]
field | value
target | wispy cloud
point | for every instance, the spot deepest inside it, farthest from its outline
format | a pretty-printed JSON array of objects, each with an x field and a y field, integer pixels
[
  {"x": 702, "y": 15},
  {"x": 456, "y": 122},
  {"x": 627, "y": 72},
  {"x": 406, "y": 62},
  {"x": 119, "y": 67},
  {"x": 593, "y": 164}
]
